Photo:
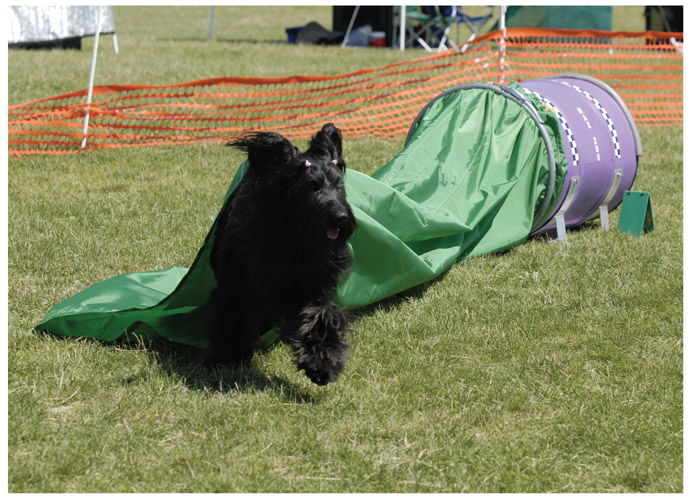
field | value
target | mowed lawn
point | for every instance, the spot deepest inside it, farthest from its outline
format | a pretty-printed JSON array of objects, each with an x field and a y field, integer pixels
[{"x": 547, "y": 368}]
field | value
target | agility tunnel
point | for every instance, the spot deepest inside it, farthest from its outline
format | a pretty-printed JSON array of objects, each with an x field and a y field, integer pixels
[{"x": 484, "y": 167}]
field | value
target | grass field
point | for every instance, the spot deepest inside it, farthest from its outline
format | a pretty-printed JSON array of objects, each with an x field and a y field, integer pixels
[{"x": 551, "y": 367}]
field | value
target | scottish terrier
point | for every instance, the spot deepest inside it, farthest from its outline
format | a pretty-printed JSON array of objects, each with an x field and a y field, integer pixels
[{"x": 279, "y": 252}]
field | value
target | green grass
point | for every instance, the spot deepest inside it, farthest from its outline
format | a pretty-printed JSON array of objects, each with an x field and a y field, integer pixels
[{"x": 550, "y": 367}]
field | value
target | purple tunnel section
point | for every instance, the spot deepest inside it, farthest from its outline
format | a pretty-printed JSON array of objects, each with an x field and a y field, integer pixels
[{"x": 601, "y": 141}]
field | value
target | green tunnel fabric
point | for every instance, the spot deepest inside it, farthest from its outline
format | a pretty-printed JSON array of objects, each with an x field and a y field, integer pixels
[{"x": 468, "y": 182}]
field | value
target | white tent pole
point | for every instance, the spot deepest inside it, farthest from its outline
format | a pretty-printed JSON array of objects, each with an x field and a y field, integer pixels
[{"x": 93, "y": 73}]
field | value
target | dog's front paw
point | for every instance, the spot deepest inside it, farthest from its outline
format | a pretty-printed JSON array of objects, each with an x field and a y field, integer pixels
[
  {"x": 316, "y": 338},
  {"x": 323, "y": 365},
  {"x": 322, "y": 377}
]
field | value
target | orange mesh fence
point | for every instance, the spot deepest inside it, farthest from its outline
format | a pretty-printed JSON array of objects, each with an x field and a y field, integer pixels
[{"x": 646, "y": 69}]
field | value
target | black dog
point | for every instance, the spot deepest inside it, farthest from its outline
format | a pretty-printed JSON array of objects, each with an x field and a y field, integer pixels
[{"x": 279, "y": 252}]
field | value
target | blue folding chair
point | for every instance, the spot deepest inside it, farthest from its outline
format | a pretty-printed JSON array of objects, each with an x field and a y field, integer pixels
[{"x": 455, "y": 16}]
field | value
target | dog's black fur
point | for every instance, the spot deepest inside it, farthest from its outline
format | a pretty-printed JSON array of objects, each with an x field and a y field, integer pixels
[{"x": 279, "y": 252}]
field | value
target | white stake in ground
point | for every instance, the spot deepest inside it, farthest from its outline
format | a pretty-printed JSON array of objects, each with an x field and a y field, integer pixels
[{"x": 93, "y": 72}]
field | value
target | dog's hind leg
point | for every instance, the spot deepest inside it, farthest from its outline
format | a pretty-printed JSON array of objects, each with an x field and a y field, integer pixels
[{"x": 316, "y": 337}]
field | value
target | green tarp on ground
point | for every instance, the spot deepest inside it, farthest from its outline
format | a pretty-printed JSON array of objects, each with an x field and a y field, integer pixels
[{"x": 469, "y": 181}]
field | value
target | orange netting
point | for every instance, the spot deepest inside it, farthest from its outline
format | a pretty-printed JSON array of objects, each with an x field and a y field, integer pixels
[{"x": 646, "y": 69}]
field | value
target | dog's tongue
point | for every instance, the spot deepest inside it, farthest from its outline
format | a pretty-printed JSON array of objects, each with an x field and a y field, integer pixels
[{"x": 333, "y": 234}]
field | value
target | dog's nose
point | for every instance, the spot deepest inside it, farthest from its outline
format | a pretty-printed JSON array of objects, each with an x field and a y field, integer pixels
[{"x": 341, "y": 217}]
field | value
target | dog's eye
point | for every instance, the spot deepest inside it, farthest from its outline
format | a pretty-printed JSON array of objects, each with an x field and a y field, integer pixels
[{"x": 315, "y": 185}]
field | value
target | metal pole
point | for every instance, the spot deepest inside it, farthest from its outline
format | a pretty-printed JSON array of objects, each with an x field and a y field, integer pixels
[
  {"x": 349, "y": 28},
  {"x": 403, "y": 13},
  {"x": 94, "y": 56}
]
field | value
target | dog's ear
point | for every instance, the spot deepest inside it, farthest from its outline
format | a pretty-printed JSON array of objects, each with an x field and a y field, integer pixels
[
  {"x": 266, "y": 151},
  {"x": 334, "y": 136},
  {"x": 328, "y": 140}
]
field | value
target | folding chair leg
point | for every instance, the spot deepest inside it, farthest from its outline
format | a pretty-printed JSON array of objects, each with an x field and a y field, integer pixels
[
  {"x": 424, "y": 44},
  {"x": 442, "y": 43},
  {"x": 467, "y": 43}
]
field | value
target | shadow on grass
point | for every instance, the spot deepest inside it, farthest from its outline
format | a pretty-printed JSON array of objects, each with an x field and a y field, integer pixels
[{"x": 187, "y": 363}]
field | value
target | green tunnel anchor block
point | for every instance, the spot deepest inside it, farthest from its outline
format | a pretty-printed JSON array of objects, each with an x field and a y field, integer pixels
[{"x": 636, "y": 213}]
